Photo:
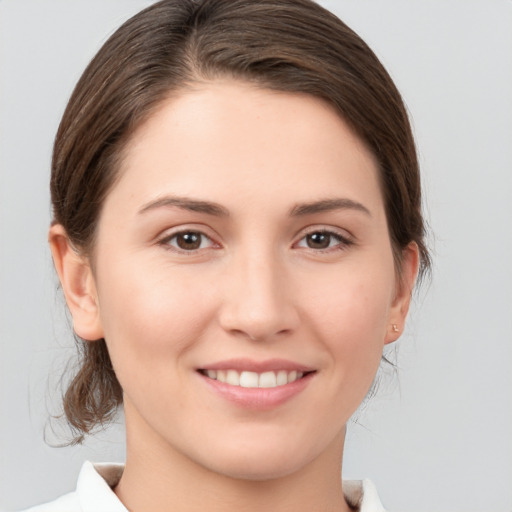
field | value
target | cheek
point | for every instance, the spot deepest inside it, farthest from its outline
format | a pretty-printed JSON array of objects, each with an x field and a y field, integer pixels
[
  {"x": 153, "y": 315},
  {"x": 356, "y": 299},
  {"x": 350, "y": 313}
]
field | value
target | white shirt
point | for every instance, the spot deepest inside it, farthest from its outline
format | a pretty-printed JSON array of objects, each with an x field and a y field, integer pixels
[{"x": 95, "y": 483}]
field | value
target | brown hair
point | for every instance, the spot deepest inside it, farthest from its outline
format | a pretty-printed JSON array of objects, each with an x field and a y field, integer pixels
[{"x": 287, "y": 45}]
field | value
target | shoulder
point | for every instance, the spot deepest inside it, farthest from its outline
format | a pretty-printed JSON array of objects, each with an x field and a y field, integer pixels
[
  {"x": 93, "y": 492},
  {"x": 67, "y": 503}
]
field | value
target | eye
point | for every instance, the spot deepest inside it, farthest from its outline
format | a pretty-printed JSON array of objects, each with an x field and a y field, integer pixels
[
  {"x": 188, "y": 241},
  {"x": 323, "y": 239}
]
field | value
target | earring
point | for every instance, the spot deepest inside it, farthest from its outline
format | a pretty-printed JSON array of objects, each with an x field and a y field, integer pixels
[{"x": 395, "y": 327}]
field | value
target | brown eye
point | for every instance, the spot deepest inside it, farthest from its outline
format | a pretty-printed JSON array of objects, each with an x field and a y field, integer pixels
[
  {"x": 188, "y": 241},
  {"x": 318, "y": 240},
  {"x": 323, "y": 240}
]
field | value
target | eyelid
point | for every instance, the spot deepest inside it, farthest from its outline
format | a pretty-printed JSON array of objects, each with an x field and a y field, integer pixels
[
  {"x": 345, "y": 238},
  {"x": 164, "y": 239}
]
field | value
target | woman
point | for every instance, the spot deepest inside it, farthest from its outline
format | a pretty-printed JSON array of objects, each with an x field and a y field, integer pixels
[{"x": 237, "y": 231}]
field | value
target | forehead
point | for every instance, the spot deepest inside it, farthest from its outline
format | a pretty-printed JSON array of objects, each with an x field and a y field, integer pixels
[{"x": 228, "y": 138}]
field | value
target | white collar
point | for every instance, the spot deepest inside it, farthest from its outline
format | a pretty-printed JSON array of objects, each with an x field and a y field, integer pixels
[
  {"x": 94, "y": 487},
  {"x": 95, "y": 483}
]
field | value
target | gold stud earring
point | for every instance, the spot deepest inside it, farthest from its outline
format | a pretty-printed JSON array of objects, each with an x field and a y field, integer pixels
[{"x": 395, "y": 328}]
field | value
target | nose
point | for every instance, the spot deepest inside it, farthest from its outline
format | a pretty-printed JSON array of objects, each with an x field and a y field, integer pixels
[{"x": 258, "y": 300}]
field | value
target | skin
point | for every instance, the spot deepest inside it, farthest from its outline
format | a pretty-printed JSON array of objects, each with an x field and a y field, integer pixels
[{"x": 256, "y": 287}]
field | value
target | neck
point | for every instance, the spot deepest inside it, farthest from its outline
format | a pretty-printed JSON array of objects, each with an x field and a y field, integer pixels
[{"x": 159, "y": 478}]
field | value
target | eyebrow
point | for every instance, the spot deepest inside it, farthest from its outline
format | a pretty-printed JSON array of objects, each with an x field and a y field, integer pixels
[
  {"x": 326, "y": 205},
  {"x": 186, "y": 203},
  {"x": 196, "y": 205}
]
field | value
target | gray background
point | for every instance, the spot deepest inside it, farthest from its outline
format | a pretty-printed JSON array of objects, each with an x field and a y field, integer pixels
[{"x": 441, "y": 441}]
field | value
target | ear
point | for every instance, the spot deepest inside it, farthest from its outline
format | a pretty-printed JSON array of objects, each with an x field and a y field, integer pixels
[
  {"x": 404, "y": 288},
  {"x": 77, "y": 281}
]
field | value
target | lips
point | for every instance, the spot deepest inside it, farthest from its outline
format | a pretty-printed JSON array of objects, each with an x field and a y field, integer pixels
[{"x": 257, "y": 385}]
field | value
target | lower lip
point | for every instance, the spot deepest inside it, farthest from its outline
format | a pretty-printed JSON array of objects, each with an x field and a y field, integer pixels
[{"x": 258, "y": 398}]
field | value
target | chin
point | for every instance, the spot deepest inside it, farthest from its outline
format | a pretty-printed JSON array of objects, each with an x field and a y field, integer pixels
[
  {"x": 255, "y": 468},
  {"x": 260, "y": 461}
]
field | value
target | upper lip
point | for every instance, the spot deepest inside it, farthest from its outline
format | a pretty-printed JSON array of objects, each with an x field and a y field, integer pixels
[{"x": 268, "y": 365}]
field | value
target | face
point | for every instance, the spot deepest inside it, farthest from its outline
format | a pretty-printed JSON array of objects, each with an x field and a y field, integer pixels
[{"x": 244, "y": 279}]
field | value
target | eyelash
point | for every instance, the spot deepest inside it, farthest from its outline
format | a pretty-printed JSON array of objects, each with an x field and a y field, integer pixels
[
  {"x": 342, "y": 242},
  {"x": 166, "y": 241}
]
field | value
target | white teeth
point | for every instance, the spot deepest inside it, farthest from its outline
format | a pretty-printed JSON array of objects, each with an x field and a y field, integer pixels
[
  {"x": 233, "y": 378},
  {"x": 268, "y": 380},
  {"x": 248, "y": 379},
  {"x": 282, "y": 377}
]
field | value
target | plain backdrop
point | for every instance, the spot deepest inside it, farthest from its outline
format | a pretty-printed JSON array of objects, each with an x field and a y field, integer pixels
[{"x": 441, "y": 439}]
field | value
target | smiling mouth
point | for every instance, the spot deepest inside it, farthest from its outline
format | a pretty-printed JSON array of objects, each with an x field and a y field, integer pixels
[{"x": 248, "y": 379}]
